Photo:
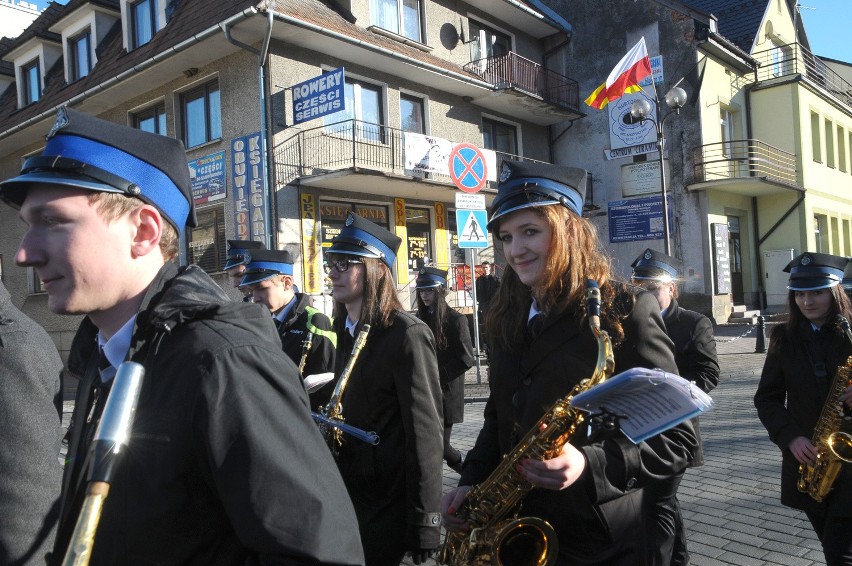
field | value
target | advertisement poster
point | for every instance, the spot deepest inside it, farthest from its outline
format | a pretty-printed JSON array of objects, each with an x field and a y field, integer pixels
[
  {"x": 207, "y": 175},
  {"x": 638, "y": 219}
]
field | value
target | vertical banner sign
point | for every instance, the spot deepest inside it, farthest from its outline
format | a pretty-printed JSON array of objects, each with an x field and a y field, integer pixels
[
  {"x": 402, "y": 233},
  {"x": 442, "y": 241},
  {"x": 311, "y": 246},
  {"x": 723, "y": 262},
  {"x": 247, "y": 175}
]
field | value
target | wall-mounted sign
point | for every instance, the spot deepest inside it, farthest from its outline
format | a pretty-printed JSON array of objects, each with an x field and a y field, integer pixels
[
  {"x": 641, "y": 179},
  {"x": 207, "y": 175},
  {"x": 319, "y": 96},
  {"x": 638, "y": 219},
  {"x": 623, "y": 130},
  {"x": 722, "y": 258},
  {"x": 247, "y": 183}
]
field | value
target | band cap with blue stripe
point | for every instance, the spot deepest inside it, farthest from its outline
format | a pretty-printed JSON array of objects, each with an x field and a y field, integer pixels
[
  {"x": 266, "y": 264},
  {"x": 653, "y": 265},
  {"x": 360, "y": 237},
  {"x": 525, "y": 184},
  {"x": 431, "y": 277},
  {"x": 93, "y": 154},
  {"x": 812, "y": 271},
  {"x": 238, "y": 252}
]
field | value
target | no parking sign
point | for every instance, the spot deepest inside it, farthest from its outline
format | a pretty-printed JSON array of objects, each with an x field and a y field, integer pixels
[{"x": 468, "y": 168}]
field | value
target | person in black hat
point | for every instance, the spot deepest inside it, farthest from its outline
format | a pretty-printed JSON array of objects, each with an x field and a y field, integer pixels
[
  {"x": 695, "y": 355},
  {"x": 306, "y": 333},
  {"x": 804, "y": 354},
  {"x": 235, "y": 266},
  {"x": 393, "y": 390},
  {"x": 541, "y": 346},
  {"x": 455, "y": 351},
  {"x": 487, "y": 286},
  {"x": 208, "y": 476}
]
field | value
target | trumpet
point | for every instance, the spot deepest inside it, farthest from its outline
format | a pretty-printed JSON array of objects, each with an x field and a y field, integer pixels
[
  {"x": 332, "y": 414},
  {"x": 306, "y": 348}
]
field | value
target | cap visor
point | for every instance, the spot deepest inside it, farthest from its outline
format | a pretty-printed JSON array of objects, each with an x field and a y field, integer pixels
[{"x": 14, "y": 190}]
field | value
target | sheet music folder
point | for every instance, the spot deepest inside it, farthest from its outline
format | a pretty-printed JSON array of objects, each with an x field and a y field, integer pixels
[{"x": 650, "y": 401}]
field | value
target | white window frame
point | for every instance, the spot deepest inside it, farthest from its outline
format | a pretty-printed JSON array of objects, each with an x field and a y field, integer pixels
[{"x": 127, "y": 21}]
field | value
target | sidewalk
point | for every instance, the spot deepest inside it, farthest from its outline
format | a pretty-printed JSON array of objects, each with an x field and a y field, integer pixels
[{"x": 731, "y": 504}]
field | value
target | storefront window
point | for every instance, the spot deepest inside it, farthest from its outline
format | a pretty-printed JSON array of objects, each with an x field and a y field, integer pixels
[
  {"x": 419, "y": 231},
  {"x": 333, "y": 215},
  {"x": 207, "y": 241}
]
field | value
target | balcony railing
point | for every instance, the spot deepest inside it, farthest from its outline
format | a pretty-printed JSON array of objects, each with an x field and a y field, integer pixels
[
  {"x": 513, "y": 71},
  {"x": 351, "y": 144},
  {"x": 743, "y": 159},
  {"x": 792, "y": 59}
]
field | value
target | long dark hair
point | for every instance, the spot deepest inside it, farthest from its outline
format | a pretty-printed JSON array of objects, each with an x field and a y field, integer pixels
[
  {"x": 840, "y": 304},
  {"x": 380, "y": 301},
  {"x": 574, "y": 257},
  {"x": 438, "y": 318}
]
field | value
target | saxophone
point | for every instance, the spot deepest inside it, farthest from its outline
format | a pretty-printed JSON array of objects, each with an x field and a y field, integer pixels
[
  {"x": 497, "y": 536},
  {"x": 333, "y": 411},
  {"x": 834, "y": 447}
]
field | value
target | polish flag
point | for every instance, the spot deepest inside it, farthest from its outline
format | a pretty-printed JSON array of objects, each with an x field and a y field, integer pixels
[{"x": 624, "y": 78}]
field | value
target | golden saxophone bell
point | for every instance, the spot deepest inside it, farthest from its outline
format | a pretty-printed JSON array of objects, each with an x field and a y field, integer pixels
[{"x": 529, "y": 541}]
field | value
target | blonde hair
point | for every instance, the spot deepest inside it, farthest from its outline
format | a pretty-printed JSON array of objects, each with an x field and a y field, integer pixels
[{"x": 115, "y": 205}]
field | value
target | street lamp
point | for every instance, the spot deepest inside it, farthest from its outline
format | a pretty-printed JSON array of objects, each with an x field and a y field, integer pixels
[{"x": 640, "y": 110}]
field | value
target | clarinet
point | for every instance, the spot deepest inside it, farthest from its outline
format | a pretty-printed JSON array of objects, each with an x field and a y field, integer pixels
[{"x": 306, "y": 348}]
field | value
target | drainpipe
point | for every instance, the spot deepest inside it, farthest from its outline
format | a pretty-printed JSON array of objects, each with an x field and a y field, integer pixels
[
  {"x": 262, "y": 54},
  {"x": 136, "y": 69}
]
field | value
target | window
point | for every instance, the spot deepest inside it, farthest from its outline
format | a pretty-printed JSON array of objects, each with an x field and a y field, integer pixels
[
  {"x": 207, "y": 241},
  {"x": 364, "y": 110},
  {"x": 829, "y": 143},
  {"x": 499, "y": 136},
  {"x": 816, "y": 149},
  {"x": 399, "y": 16},
  {"x": 30, "y": 83},
  {"x": 152, "y": 120},
  {"x": 143, "y": 22},
  {"x": 487, "y": 43},
  {"x": 727, "y": 122},
  {"x": 202, "y": 116},
  {"x": 412, "y": 115},
  {"x": 79, "y": 52},
  {"x": 841, "y": 149}
]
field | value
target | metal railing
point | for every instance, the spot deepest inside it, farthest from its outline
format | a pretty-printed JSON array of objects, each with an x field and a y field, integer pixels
[
  {"x": 351, "y": 144},
  {"x": 743, "y": 159},
  {"x": 791, "y": 59},
  {"x": 513, "y": 71}
]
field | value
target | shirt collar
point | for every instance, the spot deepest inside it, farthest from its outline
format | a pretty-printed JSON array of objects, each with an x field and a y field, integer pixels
[
  {"x": 116, "y": 348},
  {"x": 283, "y": 313},
  {"x": 533, "y": 311},
  {"x": 350, "y": 326}
]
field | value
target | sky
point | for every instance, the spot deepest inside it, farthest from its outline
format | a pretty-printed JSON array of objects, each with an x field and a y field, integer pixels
[{"x": 826, "y": 23}]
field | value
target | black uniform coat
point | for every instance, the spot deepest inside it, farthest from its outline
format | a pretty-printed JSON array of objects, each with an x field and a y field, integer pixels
[
  {"x": 598, "y": 517},
  {"x": 293, "y": 332},
  {"x": 30, "y": 434},
  {"x": 789, "y": 401},
  {"x": 394, "y": 391},
  {"x": 453, "y": 362},
  {"x": 695, "y": 353},
  {"x": 224, "y": 464}
]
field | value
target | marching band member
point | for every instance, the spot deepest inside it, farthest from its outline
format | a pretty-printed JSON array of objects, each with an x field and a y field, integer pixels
[
  {"x": 269, "y": 276},
  {"x": 210, "y": 475},
  {"x": 394, "y": 391},
  {"x": 803, "y": 357},
  {"x": 455, "y": 351},
  {"x": 695, "y": 355},
  {"x": 235, "y": 266},
  {"x": 541, "y": 346}
]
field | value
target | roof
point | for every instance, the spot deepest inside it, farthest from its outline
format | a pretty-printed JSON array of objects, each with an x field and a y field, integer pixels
[{"x": 739, "y": 20}]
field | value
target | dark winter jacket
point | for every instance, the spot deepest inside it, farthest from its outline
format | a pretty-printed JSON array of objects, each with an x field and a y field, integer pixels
[
  {"x": 30, "y": 434},
  {"x": 224, "y": 464},
  {"x": 394, "y": 391},
  {"x": 790, "y": 399},
  {"x": 598, "y": 517},
  {"x": 453, "y": 361}
]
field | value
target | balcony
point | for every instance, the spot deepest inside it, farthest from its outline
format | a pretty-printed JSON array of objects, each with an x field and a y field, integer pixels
[
  {"x": 793, "y": 59},
  {"x": 747, "y": 167},
  {"x": 358, "y": 156},
  {"x": 542, "y": 91}
]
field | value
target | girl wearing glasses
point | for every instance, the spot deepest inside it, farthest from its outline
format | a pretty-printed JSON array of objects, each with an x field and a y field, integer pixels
[
  {"x": 394, "y": 391},
  {"x": 590, "y": 493},
  {"x": 455, "y": 351}
]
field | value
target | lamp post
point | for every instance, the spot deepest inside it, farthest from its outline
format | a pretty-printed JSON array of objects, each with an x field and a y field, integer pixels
[{"x": 640, "y": 110}]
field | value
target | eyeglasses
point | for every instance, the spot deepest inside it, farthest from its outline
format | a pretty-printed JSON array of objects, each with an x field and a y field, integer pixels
[{"x": 341, "y": 265}]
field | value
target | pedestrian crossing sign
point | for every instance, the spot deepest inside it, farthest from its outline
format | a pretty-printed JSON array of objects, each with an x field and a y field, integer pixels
[{"x": 471, "y": 228}]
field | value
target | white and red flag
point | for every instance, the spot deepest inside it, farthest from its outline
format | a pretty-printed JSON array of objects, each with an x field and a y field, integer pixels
[{"x": 624, "y": 78}]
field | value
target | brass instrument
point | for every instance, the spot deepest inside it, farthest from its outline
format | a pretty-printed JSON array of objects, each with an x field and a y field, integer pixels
[
  {"x": 834, "y": 447},
  {"x": 112, "y": 433},
  {"x": 496, "y": 536},
  {"x": 333, "y": 411},
  {"x": 306, "y": 348}
]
